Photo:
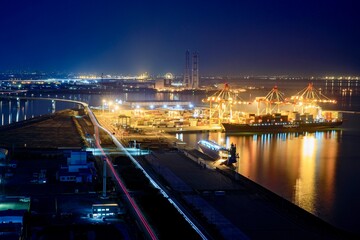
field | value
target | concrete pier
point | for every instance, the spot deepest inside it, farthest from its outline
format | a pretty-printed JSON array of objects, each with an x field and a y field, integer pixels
[{"x": 246, "y": 208}]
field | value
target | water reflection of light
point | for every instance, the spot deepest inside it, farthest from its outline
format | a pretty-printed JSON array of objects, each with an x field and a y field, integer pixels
[
  {"x": 308, "y": 146},
  {"x": 305, "y": 189},
  {"x": 17, "y": 114},
  {"x": 10, "y": 113},
  {"x": 31, "y": 109},
  {"x": 328, "y": 167},
  {"x": 2, "y": 115},
  {"x": 25, "y": 109},
  {"x": 305, "y": 184},
  {"x": 282, "y": 136},
  {"x": 305, "y": 193}
]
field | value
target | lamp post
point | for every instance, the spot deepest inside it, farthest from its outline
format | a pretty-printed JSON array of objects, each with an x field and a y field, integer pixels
[
  {"x": 104, "y": 179},
  {"x": 110, "y": 103},
  {"x": 103, "y": 105},
  {"x": 116, "y": 116}
]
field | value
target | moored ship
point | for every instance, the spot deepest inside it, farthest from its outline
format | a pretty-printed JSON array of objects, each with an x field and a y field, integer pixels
[
  {"x": 280, "y": 123},
  {"x": 299, "y": 113},
  {"x": 213, "y": 150}
]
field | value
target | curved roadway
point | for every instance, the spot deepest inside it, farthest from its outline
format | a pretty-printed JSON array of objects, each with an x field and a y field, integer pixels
[{"x": 133, "y": 204}]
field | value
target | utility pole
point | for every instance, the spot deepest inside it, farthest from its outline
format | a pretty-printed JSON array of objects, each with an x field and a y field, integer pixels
[{"x": 104, "y": 178}]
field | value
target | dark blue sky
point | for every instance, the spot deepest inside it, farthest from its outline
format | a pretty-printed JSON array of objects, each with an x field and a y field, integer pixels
[{"x": 299, "y": 37}]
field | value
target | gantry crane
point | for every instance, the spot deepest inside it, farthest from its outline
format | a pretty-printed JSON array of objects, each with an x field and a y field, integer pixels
[
  {"x": 221, "y": 104},
  {"x": 272, "y": 101},
  {"x": 309, "y": 97}
]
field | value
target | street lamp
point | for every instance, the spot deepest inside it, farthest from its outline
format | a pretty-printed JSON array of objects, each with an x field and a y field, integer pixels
[
  {"x": 103, "y": 104},
  {"x": 110, "y": 103}
]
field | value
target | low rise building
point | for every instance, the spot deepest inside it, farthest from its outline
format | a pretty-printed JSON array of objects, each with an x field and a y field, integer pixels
[
  {"x": 78, "y": 169},
  {"x": 3, "y": 153}
]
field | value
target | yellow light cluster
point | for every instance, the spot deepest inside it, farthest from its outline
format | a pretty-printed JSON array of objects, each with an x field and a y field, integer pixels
[
  {"x": 218, "y": 100},
  {"x": 301, "y": 99},
  {"x": 341, "y": 78},
  {"x": 88, "y": 77}
]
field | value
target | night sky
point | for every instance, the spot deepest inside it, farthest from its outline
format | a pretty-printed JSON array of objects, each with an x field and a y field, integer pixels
[{"x": 298, "y": 37}]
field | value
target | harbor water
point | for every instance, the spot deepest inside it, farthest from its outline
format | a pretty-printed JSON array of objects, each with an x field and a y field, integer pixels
[{"x": 317, "y": 171}]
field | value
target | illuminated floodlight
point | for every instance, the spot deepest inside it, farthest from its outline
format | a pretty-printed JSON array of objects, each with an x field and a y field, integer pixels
[
  {"x": 177, "y": 106},
  {"x": 165, "y": 106},
  {"x": 191, "y": 105},
  {"x": 151, "y": 106}
]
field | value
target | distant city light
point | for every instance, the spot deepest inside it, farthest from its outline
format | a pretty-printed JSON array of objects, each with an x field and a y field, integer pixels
[{"x": 169, "y": 76}]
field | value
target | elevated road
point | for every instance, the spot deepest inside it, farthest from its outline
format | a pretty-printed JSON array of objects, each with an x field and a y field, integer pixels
[
  {"x": 140, "y": 216},
  {"x": 152, "y": 181}
]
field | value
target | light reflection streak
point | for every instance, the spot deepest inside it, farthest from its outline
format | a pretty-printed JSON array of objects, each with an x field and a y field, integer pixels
[
  {"x": 10, "y": 113},
  {"x": 2, "y": 114},
  {"x": 17, "y": 114},
  {"x": 299, "y": 167},
  {"x": 305, "y": 193}
]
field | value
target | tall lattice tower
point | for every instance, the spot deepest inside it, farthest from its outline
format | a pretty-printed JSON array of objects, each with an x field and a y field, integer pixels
[
  {"x": 195, "y": 71},
  {"x": 186, "y": 80}
]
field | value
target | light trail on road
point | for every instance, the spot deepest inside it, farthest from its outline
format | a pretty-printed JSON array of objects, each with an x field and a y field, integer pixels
[
  {"x": 119, "y": 181},
  {"x": 129, "y": 198},
  {"x": 119, "y": 145},
  {"x": 96, "y": 124}
]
